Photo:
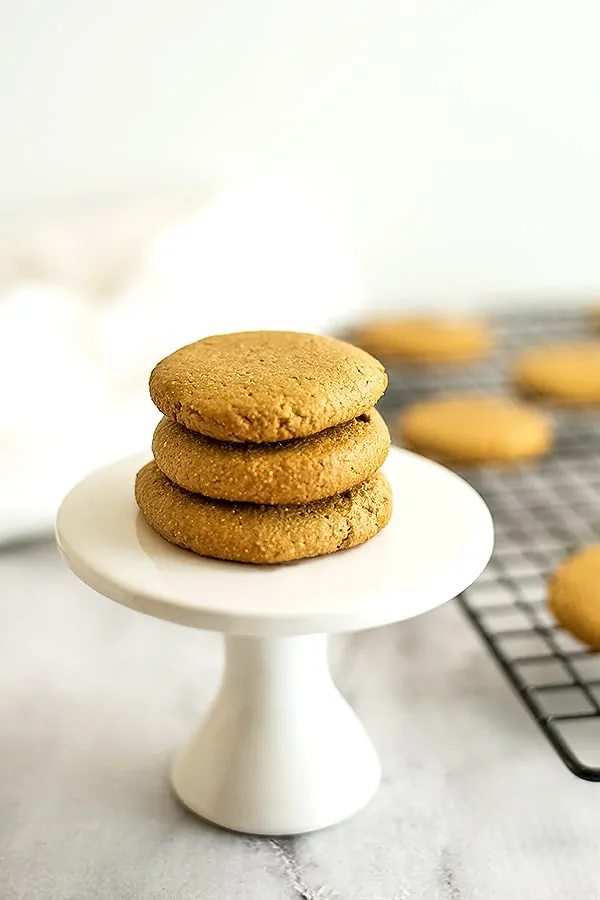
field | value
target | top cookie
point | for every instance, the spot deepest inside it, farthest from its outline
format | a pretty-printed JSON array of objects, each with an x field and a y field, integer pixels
[
  {"x": 566, "y": 373},
  {"x": 263, "y": 386},
  {"x": 425, "y": 339}
]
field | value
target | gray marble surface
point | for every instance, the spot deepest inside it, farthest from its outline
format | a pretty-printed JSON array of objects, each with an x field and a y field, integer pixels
[{"x": 94, "y": 698}]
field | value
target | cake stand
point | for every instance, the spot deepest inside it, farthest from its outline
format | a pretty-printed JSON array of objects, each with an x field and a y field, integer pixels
[{"x": 280, "y": 751}]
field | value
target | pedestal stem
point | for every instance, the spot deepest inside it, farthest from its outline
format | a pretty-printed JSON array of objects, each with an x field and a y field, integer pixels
[
  {"x": 267, "y": 673},
  {"x": 280, "y": 751}
]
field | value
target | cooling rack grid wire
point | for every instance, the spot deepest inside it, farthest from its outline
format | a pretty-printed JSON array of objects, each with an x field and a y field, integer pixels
[{"x": 542, "y": 513}]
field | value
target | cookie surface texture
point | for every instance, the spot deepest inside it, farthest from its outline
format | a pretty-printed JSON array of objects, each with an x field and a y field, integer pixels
[
  {"x": 262, "y": 386},
  {"x": 422, "y": 339},
  {"x": 253, "y": 533},
  {"x": 568, "y": 373},
  {"x": 574, "y": 595},
  {"x": 295, "y": 471},
  {"x": 475, "y": 430}
]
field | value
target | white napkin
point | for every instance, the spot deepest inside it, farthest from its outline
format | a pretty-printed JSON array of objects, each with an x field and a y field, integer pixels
[{"x": 74, "y": 366}]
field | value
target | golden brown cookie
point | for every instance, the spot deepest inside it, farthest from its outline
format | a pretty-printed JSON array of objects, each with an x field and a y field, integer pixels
[
  {"x": 473, "y": 429},
  {"x": 249, "y": 532},
  {"x": 425, "y": 339},
  {"x": 295, "y": 471},
  {"x": 262, "y": 386},
  {"x": 574, "y": 595},
  {"x": 566, "y": 373}
]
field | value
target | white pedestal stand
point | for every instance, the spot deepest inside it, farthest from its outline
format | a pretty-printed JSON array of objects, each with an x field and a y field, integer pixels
[{"x": 280, "y": 751}]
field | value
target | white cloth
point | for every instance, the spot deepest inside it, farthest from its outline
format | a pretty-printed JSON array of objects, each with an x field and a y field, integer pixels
[{"x": 74, "y": 361}]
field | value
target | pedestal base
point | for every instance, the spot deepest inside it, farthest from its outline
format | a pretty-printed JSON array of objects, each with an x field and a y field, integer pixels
[{"x": 280, "y": 751}]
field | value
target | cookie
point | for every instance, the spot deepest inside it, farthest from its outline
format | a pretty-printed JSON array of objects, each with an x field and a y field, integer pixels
[
  {"x": 252, "y": 533},
  {"x": 474, "y": 429},
  {"x": 425, "y": 339},
  {"x": 574, "y": 595},
  {"x": 295, "y": 471},
  {"x": 566, "y": 373},
  {"x": 262, "y": 386}
]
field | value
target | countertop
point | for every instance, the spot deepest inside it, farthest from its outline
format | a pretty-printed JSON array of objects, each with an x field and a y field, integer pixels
[{"x": 95, "y": 697}]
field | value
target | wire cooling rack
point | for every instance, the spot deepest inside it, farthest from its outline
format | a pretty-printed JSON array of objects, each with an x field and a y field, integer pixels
[{"x": 542, "y": 513}]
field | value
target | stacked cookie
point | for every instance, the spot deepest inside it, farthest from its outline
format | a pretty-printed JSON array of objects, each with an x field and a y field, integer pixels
[{"x": 270, "y": 448}]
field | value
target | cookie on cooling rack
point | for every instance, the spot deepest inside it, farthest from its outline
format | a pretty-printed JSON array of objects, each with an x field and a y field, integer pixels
[
  {"x": 425, "y": 339},
  {"x": 564, "y": 373},
  {"x": 574, "y": 595},
  {"x": 475, "y": 430}
]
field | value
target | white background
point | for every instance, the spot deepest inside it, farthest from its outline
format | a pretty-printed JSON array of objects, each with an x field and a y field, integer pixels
[{"x": 456, "y": 144}]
